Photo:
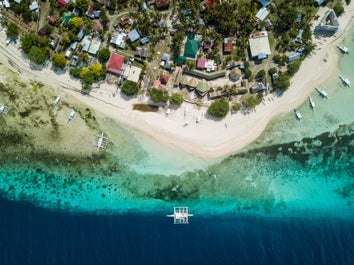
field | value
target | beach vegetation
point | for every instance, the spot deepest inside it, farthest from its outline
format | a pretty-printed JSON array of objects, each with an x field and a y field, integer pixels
[
  {"x": 75, "y": 72},
  {"x": 130, "y": 88},
  {"x": 59, "y": 60},
  {"x": 27, "y": 41},
  {"x": 86, "y": 75},
  {"x": 176, "y": 99},
  {"x": 294, "y": 66},
  {"x": 103, "y": 55},
  {"x": 219, "y": 108},
  {"x": 236, "y": 107},
  {"x": 12, "y": 31},
  {"x": 251, "y": 101},
  {"x": 37, "y": 55},
  {"x": 158, "y": 96},
  {"x": 82, "y": 5},
  {"x": 248, "y": 73},
  {"x": 282, "y": 83},
  {"x": 338, "y": 8},
  {"x": 96, "y": 69}
]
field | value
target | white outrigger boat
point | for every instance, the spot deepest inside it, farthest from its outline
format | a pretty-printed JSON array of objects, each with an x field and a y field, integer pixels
[
  {"x": 345, "y": 80},
  {"x": 343, "y": 49},
  {"x": 322, "y": 92},
  {"x": 180, "y": 215},
  {"x": 101, "y": 142},
  {"x": 199, "y": 118},
  {"x": 71, "y": 115},
  {"x": 312, "y": 103},
  {"x": 56, "y": 100},
  {"x": 298, "y": 114}
]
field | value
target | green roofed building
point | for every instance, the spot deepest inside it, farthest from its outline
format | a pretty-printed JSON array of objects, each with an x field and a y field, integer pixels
[
  {"x": 191, "y": 48},
  {"x": 65, "y": 18},
  {"x": 203, "y": 88}
]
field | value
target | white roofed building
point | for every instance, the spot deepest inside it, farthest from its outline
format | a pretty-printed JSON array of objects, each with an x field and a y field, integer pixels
[{"x": 259, "y": 45}]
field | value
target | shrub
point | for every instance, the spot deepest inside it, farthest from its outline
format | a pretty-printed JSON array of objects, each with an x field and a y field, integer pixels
[
  {"x": 219, "y": 108},
  {"x": 293, "y": 67},
  {"x": 130, "y": 88},
  {"x": 236, "y": 107},
  {"x": 176, "y": 99},
  {"x": 158, "y": 96},
  {"x": 338, "y": 9},
  {"x": 282, "y": 83}
]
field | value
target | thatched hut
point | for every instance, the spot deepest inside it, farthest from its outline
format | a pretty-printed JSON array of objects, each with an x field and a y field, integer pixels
[
  {"x": 203, "y": 88},
  {"x": 192, "y": 84},
  {"x": 235, "y": 75},
  {"x": 183, "y": 81}
]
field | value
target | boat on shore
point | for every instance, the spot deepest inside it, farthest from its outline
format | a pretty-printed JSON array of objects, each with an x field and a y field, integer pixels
[
  {"x": 322, "y": 92},
  {"x": 297, "y": 114},
  {"x": 56, "y": 100},
  {"x": 343, "y": 49},
  {"x": 71, "y": 115},
  {"x": 101, "y": 142},
  {"x": 312, "y": 103},
  {"x": 345, "y": 80}
]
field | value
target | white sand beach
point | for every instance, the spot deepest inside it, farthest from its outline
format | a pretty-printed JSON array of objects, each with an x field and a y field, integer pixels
[{"x": 207, "y": 138}]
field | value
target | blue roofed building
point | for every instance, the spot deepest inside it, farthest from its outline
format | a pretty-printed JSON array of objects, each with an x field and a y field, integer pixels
[
  {"x": 299, "y": 36},
  {"x": 133, "y": 35},
  {"x": 165, "y": 57},
  {"x": 319, "y": 2},
  {"x": 294, "y": 56},
  {"x": 264, "y": 3},
  {"x": 144, "y": 40}
]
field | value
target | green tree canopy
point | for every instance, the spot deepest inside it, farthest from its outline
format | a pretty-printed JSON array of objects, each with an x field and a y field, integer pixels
[
  {"x": 293, "y": 67},
  {"x": 338, "y": 8},
  {"x": 252, "y": 101},
  {"x": 103, "y": 55},
  {"x": 236, "y": 107},
  {"x": 96, "y": 69},
  {"x": 282, "y": 83},
  {"x": 59, "y": 60},
  {"x": 37, "y": 55},
  {"x": 219, "y": 108},
  {"x": 158, "y": 96},
  {"x": 130, "y": 88},
  {"x": 176, "y": 99},
  {"x": 76, "y": 22},
  {"x": 12, "y": 31},
  {"x": 27, "y": 41},
  {"x": 82, "y": 5}
]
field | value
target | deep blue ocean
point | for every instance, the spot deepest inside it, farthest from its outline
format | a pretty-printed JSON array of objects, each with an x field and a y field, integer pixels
[{"x": 31, "y": 235}]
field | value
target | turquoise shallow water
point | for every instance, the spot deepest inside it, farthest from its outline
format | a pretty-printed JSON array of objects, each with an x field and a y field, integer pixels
[{"x": 294, "y": 169}]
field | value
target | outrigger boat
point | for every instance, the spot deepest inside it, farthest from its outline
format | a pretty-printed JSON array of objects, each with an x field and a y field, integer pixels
[
  {"x": 312, "y": 103},
  {"x": 298, "y": 114},
  {"x": 56, "y": 101},
  {"x": 101, "y": 142},
  {"x": 71, "y": 115},
  {"x": 343, "y": 49},
  {"x": 322, "y": 92},
  {"x": 180, "y": 215},
  {"x": 345, "y": 80}
]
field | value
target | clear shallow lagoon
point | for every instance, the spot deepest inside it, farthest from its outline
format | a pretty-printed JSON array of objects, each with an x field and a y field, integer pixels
[{"x": 288, "y": 196}]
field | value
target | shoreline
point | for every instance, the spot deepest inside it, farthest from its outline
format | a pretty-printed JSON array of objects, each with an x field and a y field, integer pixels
[{"x": 209, "y": 138}]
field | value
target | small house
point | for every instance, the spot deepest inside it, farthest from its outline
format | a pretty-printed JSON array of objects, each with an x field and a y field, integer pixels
[
  {"x": 118, "y": 40},
  {"x": 144, "y": 40},
  {"x": 33, "y": 6},
  {"x": 164, "y": 79},
  {"x": 227, "y": 45},
  {"x": 51, "y": 20},
  {"x": 95, "y": 46},
  {"x": 162, "y": 4},
  {"x": 165, "y": 57},
  {"x": 74, "y": 61},
  {"x": 61, "y": 3},
  {"x": 133, "y": 35},
  {"x": 85, "y": 44},
  {"x": 294, "y": 56},
  {"x": 259, "y": 45},
  {"x": 80, "y": 35},
  {"x": 262, "y": 14}
]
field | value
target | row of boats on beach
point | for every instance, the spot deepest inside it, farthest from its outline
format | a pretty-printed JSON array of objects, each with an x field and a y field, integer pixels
[{"x": 322, "y": 93}]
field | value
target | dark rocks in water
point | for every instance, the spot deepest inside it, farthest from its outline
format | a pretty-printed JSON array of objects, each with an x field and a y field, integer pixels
[{"x": 146, "y": 107}]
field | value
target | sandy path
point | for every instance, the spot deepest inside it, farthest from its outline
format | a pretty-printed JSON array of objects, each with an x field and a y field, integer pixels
[{"x": 208, "y": 138}]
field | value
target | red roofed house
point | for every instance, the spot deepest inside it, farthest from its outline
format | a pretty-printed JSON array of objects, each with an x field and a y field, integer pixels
[
  {"x": 228, "y": 45},
  {"x": 51, "y": 20},
  {"x": 210, "y": 3},
  {"x": 164, "y": 79},
  {"x": 201, "y": 64},
  {"x": 156, "y": 84},
  {"x": 61, "y": 3},
  {"x": 115, "y": 64},
  {"x": 162, "y": 3},
  {"x": 97, "y": 25}
]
